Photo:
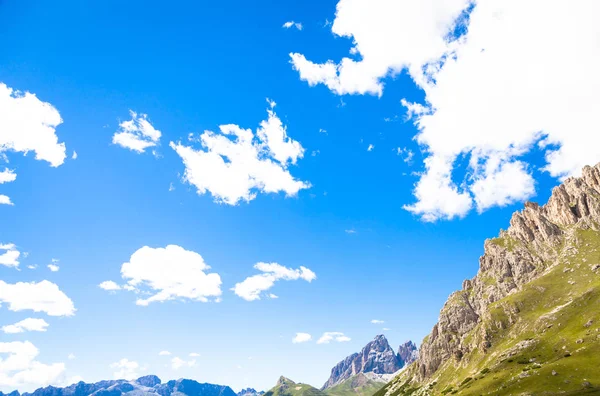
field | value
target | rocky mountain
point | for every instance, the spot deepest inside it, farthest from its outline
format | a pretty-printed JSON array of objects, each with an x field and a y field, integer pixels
[
  {"x": 529, "y": 321},
  {"x": 376, "y": 357},
  {"x": 148, "y": 385},
  {"x": 408, "y": 352},
  {"x": 250, "y": 392}
]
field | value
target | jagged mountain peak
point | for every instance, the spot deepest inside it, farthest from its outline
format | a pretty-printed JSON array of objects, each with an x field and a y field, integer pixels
[{"x": 376, "y": 357}]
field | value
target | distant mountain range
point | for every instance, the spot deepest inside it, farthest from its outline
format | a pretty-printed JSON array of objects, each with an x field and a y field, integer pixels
[
  {"x": 148, "y": 385},
  {"x": 360, "y": 374}
]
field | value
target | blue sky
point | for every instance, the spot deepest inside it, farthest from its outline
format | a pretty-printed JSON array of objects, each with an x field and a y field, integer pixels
[{"x": 389, "y": 235}]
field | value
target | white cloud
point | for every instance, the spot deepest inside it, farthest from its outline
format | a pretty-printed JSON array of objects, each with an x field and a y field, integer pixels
[
  {"x": 7, "y": 176},
  {"x": 126, "y": 369},
  {"x": 74, "y": 156},
  {"x": 109, "y": 286},
  {"x": 32, "y": 266},
  {"x": 167, "y": 274},
  {"x": 371, "y": 147},
  {"x": 10, "y": 256},
  {"x": 235, "y": 164},
  {"x": 336, "y": 336},
  {"x": 177, "y": 363},
  {"x": 377, "y": 321},
  {"x": 251, "y": 288},
  {"x": 273, "y": 296},
  {"x": 28, "y": 124},
  {"x": 301, "y": 337},
  {"x": 137, "y": 134},
  {"x": 42, "y": 296},
  {"x": 71, "y": 356},
  {"x": 350, "y": 231},
  {"x": 29, "y": 324},
  {"x": 386, "y": 329},
  {"x": 20, "y": 369},
  {"x": 500, "y": 91},
  {"x": 164, "y": 353},
  {"x": 291, "y": 24},
  {"x": 194, "y": 354},
  {"x": 406, "y": 154},
  {"x": 5, "y": 200},
  {"x": 53, "y": 267}
]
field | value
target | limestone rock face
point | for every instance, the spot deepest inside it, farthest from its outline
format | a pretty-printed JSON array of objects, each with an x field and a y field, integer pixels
[
  {"x": 376, "y": 357},
  {"x": 520, "y": 254},
  {"x": 408, "y": 353}
]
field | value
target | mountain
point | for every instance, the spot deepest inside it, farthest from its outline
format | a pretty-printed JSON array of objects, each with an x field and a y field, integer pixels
[
  {"x": 250, "y": 392},
  {"x": 149, "y": 385},
  {"x": 408, "y": 352},
  {"x": 287, "y": 387},
  {"x": 376, "y": 358},
  {"x": 529, "y": 321}
]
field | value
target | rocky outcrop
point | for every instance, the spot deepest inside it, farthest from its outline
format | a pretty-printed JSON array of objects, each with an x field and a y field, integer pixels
[
  {"x": 147, "y": 385},
  {"x": 376, "y": 357},
  {"x": 529, "y": 247},
  {"x": 408, "y": 353}
]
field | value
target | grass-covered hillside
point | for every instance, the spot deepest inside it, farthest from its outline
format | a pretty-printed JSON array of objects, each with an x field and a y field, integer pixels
[
  {"x": 543, "y": 339},
  {"x": 359, "y": 385},
  {"x": 287, "y": 387}
]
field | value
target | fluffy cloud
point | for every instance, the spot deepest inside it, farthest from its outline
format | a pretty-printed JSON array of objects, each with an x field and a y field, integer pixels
[
  {"x": 291, "y": 24},
  {"x": 164, "y": 353},
  {"x": 251, "y": 288},
  {"x": 167, "y": 274},
  {"x": 109, "y": 286},
  {"x": 235, "y": 164},
  {"x": 42, "y": 296},
  {"x": 54, "y": 266},
  {"x": 301, "y": 337},
  {"x": 7, "y": 176},
  {"x": 126, "y": 369},
  {"x": 137, "y": 134},
  {"x": 177, "y": 363},
  {"x": 10, "y": 255},
  {"x": 194, "y": 354},
  {"x": 29, "y": 324},
  {"x": 496, "y": 89},
  {"x": 20, "y": 369},
  {"x": 377, "y": 321},
  {"x": 336, "y": 336},
  {"x": 28, "y": 124}
]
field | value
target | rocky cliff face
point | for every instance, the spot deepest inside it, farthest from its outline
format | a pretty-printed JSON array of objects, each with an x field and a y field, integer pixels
[
  {"x": 520, "y": 254},
  {"x": 148, "y": 385},
  {"x": 250, "y": 392},
  {"x": 526, "y": 276},
  {"x": 376, "y": 357}
]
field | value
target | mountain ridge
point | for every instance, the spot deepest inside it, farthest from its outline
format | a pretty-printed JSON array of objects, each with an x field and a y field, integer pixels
[{"x": 543, "y": 267}]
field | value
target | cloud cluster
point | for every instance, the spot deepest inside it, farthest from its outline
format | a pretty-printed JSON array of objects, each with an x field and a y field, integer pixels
[
  {"x": 20, "y": 369},
  {"x": 166, "y": 274},
  {"x": 29, "y": 324},
  {"x": 250, "y": 289},
  {"x": 235, "y": 164},
  {"x": 177, "y": 363},
  {"x": 10, "y": 255},
  {"x": 336, "y": 336},
  {"x": 137, "y": 134},
  {"x": 496, "y": 89},
  {"x": 42, "y": 296}
]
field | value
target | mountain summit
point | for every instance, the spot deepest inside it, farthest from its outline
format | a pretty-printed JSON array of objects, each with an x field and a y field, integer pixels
[
  {"x": 529, "y": 320},
  {"x": 376, "y": 357}
]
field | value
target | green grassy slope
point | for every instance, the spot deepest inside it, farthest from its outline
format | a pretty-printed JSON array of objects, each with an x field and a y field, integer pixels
[
  {"x": 287, "y": 387},
  {"x": 358, "y": 385},
  {"x": 545, "y": 338}
]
